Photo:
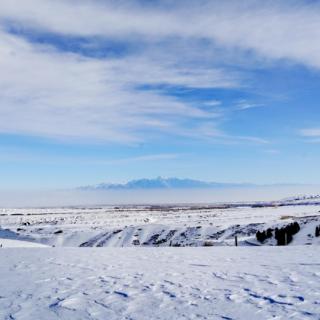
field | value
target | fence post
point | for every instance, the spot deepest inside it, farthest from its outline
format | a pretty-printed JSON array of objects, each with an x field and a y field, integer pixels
[
  {"x": 285, "y": 239},
  {"x": 236, "y": 240}
]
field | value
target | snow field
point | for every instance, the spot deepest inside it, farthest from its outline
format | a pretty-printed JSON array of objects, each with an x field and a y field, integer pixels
[{"x": 160, "y": 283}]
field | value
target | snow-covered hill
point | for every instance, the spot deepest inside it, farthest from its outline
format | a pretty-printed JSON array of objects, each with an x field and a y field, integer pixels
[{"x": 159, "y": 225}]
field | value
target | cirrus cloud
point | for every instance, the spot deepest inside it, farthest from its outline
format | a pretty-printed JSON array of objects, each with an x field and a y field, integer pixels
[{"x": 49, "y": 91}]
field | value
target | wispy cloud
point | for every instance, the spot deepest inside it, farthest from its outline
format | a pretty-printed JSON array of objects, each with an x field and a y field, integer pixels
[
  {"x": 213, "y": 103},
  {"x": 56, "y": 94},
  {"x": 312, "y": 135},
  {"x": 310, "y": 132},
  {"x": 273, "y": 29},
  {"x": 245, "y": 105},
  {"x": 20, "y": 155},
  {"x": 143, "y": 158},
  {"x": 50, "y": 91}
]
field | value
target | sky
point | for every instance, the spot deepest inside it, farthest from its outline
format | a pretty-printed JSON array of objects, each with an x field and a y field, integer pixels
[{"x": 109, "y": 91}]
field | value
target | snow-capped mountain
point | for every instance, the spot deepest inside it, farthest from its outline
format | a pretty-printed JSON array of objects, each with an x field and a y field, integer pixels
[{"x": 162, "y": 183}]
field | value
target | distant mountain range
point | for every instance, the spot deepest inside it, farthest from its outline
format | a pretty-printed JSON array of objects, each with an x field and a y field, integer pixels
[{"x": 163, "y": 183}]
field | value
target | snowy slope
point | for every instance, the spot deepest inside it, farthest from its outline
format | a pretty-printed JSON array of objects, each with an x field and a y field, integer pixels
[
  {"x": 160, "y": 283},
  {"x": 9, "y": 243},
  {"x": 157, "y": 225}
]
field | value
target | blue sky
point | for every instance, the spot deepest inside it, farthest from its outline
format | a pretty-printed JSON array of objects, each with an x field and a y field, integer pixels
[{"x": 108, "y": 91}]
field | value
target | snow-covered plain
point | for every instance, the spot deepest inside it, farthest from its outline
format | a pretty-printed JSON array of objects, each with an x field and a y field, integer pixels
[
  {"x": 139, "y": 273},
  {"x": 160, "y": 283}
]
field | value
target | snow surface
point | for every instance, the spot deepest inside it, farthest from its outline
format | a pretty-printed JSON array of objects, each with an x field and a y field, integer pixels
[
  {"x": 205, "y": 278},
  {"x": 128, "y": 226},
  {"x": 9, "y": 243},
  {"x": 160, "y": 283}
]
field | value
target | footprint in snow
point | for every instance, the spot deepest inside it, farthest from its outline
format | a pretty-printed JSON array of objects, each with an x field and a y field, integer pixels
[
  {"x": 170, "y": 294},
  {"x": 122, "y": 294}
]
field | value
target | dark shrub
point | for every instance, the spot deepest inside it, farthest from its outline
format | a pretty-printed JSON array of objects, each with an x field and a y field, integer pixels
[
  {"x": 269, "y": 233},
  {"x": 317, "y": 233}
]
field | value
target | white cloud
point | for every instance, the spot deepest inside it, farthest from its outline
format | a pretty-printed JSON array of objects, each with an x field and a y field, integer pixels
[
  {"x": 53, "y": 93},
  {"x": 244, "y": 105},
  {"x": 19, "y": 155},
  {"x": 310, "y": 132},
  {"x": 273, "y": 29},
  {"x": 213, "y": 103},
  {"x": 143, "y": 158},
  {"x": 57, "y": 94},
  {"x": 312, "y": 135}
]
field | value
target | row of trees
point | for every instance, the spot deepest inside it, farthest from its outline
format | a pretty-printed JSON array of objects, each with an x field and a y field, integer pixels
[{"x": 283, "y": 235}]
